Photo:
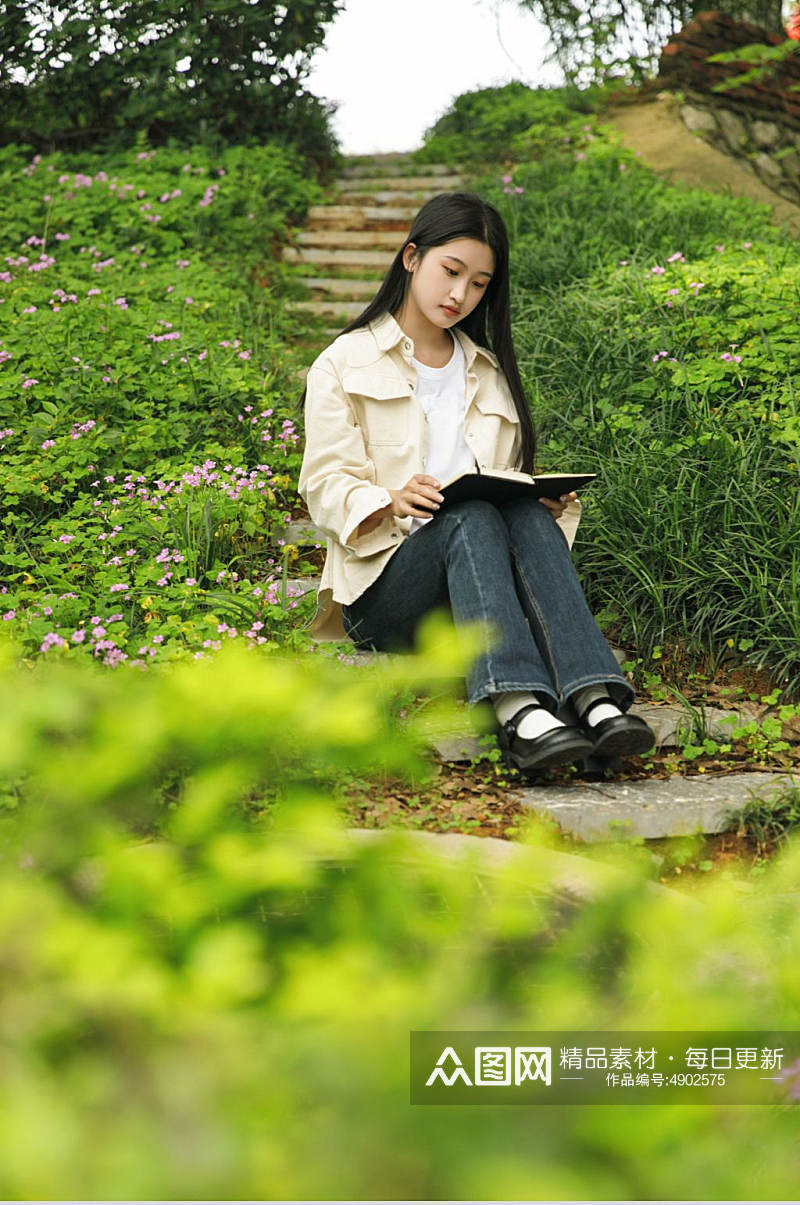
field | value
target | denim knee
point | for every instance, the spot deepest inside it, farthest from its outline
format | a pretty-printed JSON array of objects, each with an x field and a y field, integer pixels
[{"x": 476, "y": 514}]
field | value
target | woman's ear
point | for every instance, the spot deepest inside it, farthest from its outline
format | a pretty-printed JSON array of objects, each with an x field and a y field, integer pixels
[{"x": 409, "y": 256}]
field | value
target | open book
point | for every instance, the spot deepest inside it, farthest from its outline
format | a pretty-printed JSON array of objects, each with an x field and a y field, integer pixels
[{"x": 501, "y": 485}]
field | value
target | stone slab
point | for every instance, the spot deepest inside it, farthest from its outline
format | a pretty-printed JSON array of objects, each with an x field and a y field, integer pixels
[
  {"x": 651, "y": 808},
  {"x": 361, "y": 239},
  {"x": 399, "y": 183},
  {"x": 528, "y": 869},
  {"x": 668, "y": 723},
  {"x": 378, "y": 196},
  {"x": 339, "y": 286},
  {"x": 329, "y": 308},
  {"x": 359, "y": 217},
  {"x": 304, "y": 532},
  {"x": 399, "y": 168},
  {"x": 331, "y": 257}
]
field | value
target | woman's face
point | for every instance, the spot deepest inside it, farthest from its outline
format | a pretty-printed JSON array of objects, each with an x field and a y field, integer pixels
[{"x": 449, "y": 281}]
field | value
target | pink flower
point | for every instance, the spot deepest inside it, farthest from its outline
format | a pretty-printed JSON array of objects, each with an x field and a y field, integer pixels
[
  {"x": 52, "y": 638},
  {"x": 79, "y": 636},
  {"x": 26, "y": 384}
]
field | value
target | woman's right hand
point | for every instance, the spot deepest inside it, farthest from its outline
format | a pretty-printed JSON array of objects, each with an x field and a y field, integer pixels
[
  {"x": 418, "y": 497},
  {"x": 406, "y": 501}
]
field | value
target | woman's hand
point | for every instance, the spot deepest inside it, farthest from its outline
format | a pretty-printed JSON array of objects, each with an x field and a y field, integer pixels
[
  {"x": 557, "y": 506},
  {"x": 406, "y": 501},
  {"x": 419, "y": 497}
]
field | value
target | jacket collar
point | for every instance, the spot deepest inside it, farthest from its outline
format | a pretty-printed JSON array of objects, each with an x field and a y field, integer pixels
[{"x": 388, "y": 333}]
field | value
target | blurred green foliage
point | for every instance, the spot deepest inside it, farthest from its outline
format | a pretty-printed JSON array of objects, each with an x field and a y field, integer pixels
[{"x": 208, "y": 985}]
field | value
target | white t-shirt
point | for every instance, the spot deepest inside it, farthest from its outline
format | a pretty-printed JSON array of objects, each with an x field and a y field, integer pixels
[{"x": 442, "y": 392}]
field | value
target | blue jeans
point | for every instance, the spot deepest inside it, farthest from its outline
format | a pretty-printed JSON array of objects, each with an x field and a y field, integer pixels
[{"x": 507, "y": 565}]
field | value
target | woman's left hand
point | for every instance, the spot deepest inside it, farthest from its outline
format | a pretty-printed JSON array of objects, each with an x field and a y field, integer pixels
[{"x": 557, "y": 506}]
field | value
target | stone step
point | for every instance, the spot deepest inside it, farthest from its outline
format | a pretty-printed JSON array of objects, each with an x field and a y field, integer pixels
[
  {"x": 360, "y": 217},
  {"x": 406, "y": 183},
  {"x": 669, "y": 723},
  {"x": 339, "y": 286},
  {"x": 655, "y": 807},
  {"x": 324, "y": 257},
  {"x": 302, "y": 585},
  {"x": 399, "y": 168},
  {"x": 332, "y": 307},
  {"x": 359, "y": 239},
  {"x": 527, "y": 872},
  {"x": 393, "y": 197}
]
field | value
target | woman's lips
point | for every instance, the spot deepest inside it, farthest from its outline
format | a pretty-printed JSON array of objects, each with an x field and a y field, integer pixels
[{"x": 449, "y": 309}]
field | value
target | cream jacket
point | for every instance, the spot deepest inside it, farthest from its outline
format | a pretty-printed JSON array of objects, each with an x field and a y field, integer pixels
[{"x": 366, "y": 433}]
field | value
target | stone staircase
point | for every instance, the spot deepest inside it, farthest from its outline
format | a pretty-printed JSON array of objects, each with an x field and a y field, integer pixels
[
  {"x": 340, "y": 258},
  {"x": 348, "y": 243}
]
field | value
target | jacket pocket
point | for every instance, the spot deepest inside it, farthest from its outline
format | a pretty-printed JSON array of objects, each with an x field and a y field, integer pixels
[
  {"x": 497, "y": 404},
  {"x": 381, "y": 404}
]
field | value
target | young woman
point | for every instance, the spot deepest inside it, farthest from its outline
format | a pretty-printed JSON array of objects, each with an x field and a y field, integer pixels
[{"x": 406, "y": 398}]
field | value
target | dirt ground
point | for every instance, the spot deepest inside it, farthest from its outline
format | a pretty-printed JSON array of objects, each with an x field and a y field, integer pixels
[{"x": 655, "y": 128}]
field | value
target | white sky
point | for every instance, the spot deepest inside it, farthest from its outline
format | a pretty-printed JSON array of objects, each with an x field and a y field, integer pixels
[{"x": 394, "y": 66}]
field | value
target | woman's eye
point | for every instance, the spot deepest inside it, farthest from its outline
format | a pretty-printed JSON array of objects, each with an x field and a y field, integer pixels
[{"x": 451, "y": 272}]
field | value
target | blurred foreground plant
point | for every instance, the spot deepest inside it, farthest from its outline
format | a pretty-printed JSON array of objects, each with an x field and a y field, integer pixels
[{"x": 207, "y": 984}]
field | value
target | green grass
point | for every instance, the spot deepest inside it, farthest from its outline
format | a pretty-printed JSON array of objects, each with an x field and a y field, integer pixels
[{"x": 691, "y": 534}]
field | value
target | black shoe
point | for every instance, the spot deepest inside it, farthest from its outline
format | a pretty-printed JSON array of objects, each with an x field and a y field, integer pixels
[
  {"x": 560, "y": 745},
  {"x": 618, "y": 735}
]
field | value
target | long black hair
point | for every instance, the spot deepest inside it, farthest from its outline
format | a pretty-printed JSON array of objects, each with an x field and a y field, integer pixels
[{"x": 442, "y": 219}]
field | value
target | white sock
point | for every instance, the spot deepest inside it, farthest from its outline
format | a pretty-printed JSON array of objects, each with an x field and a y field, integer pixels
[
  {"x": 508, "y": 703},
  {"x": 583, "y": 700}
]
